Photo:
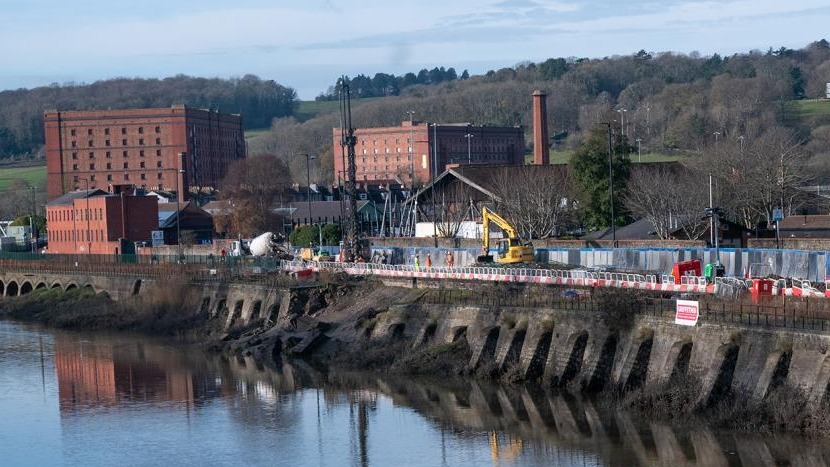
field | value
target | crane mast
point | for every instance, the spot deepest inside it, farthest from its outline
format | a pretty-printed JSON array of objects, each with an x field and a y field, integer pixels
[{"x": 348, "y": 142}]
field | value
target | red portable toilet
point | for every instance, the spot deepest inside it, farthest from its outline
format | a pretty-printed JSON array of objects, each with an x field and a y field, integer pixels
[
  {"x": 761, "y": 290},
  {"x": 686, "y": 268}
]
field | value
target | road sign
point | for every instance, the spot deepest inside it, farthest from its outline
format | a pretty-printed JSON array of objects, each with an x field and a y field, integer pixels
[
  {"x": 687, "y": 312},
  {"x": 777, "y": 215}
]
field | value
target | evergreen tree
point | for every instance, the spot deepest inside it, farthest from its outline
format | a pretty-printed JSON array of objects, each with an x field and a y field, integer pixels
[{"x": 589, "y": 168}]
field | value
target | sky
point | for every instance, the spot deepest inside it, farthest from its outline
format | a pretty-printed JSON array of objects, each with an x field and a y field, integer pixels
[{"x": 307, "y": 44}]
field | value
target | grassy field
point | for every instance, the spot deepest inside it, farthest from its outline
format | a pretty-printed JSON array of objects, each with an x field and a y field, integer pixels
[
  {"x": 562, "y": 157},
  {"x": 310, "y": 109},
  {"x": 34, "y": 176},
  {"x": 812, "y": 112}
]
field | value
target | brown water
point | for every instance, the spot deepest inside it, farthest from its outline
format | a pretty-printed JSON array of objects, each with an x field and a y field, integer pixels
[{"x": 94, "y": 400}]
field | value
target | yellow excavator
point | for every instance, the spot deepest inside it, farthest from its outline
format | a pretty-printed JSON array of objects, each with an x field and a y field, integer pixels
[{"x": 512, "y": 249}]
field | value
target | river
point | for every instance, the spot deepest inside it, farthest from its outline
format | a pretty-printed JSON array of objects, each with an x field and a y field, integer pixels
[{"x": 79, "y": 399}]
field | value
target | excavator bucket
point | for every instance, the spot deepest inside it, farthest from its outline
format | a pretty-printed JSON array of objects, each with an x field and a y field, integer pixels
[{"x": 483, "y": 259}]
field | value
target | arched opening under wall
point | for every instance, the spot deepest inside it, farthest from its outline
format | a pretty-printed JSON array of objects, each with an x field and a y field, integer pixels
[
  {"x": 237, "y": 312},
  {"x": 536, "y": 367},
  {"x": 273, "y": 312},
  {"x": 71, "y": 287},
  {"x": 256, "y": 309},
  {"x": 605, "y": 362},
  {"x": 40, "y": 285},
  {"x": 2, "y": 288},
  {"x": 12, "y": 289},
  {"x": 577, "y": 344},
  {"x": 56, "y": 285},
  {"x": 26, "y": 288},
  {"x": 396, "y": 331},
  {"x": 220, "y": 306},
  {"x": 137, "y": 287},
  {"x": 88, "y": 288},
  {"x": 205, "y": 307}
]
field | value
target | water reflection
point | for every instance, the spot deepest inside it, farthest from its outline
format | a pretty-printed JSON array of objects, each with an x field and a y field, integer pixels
[{"x": 118, "y": 396}]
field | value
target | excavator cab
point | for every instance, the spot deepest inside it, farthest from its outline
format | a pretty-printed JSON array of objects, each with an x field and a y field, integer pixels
[{"x": 514, "y": 250}]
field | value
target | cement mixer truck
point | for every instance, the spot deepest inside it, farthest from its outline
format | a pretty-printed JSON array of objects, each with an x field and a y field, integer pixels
[{"x": 267, "y": 244}]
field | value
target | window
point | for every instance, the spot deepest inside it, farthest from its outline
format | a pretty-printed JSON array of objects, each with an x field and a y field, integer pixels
[
  {"x": 89, "y": 132},
  {"x": 91, "y": 166},
  {"x": 141, "y": 129},
  {"x": 74, "y": 155},
  {"x": 159, "y": 176},
  {"x": 158, "y": 164},
  {"x": 91, "y": 143},
  {"x": 92, "y": 177},
  {"x": 109, "y": 154},
  {"x": 141, "y": 153},
  {"x": 74, "y": 144},
  {"x": 123, "y": 142},
  {"x": 143, "y": 177},
  {"x": 158, "y": 140},
  {"x": 72, "y": 132},
  {"x": 141, "y": 141},
  {"x": 109, "y": 166},
  {"x": 124, "y": 153},
  {"x": 91, "y": 155},
  {"x": 158, "y": 129},
  {"x": 141, "y": 165},
  {"x": 126, "y": 176},
  {"x": 123, "y": 131},
  {"x": 74, "y": 166},
  {"x": 158, "y": 152},
  {"x": 109, "y": 177},
  {"x": 126, "y": 165},
  {"x": 107, "y": 143},
  {"x": 106, "y": 131}
]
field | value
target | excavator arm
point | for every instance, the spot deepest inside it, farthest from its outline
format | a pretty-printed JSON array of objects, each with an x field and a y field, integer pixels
[{"x": 517, "y": 250}]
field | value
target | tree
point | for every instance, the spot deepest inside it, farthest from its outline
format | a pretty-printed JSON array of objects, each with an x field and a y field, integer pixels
[
  {"x": 254, "y": 186},
  {"x": 535, "y": 199},
  {"x": 590, "y": 171},
  {"x": 670, "y": 198}
]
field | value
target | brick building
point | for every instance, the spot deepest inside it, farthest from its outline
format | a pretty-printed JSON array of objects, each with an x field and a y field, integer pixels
[
  {"x": 94, "y": 221},
  {"x": 149, "y": 148},
  {"x": 387, "y": 154}
]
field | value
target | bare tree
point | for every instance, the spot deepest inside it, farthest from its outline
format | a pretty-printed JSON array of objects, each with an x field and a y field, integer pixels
[
  {"x": 536, "y": 199},
  {"x": 254, "y": 186},
  {"x": 671, "y": 198},
  {"x": 452, "y": 206}
]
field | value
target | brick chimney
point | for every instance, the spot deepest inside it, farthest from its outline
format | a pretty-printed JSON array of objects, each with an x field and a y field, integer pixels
[{"x": 541, "y": 153}]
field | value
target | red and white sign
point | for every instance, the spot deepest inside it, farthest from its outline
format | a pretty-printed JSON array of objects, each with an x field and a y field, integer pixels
[{"x": 687, "y": 312}]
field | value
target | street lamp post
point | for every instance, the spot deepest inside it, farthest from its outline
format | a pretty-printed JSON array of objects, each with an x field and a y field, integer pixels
[
  {"x": 639, "y": 155},
  {"x": 308, "y": 159},
  {"x": 88, "y": 230},
  {"x": 432, "y": 181},
  {"x": 611, "y": 187},
  {"x": 622, "y": 120},
  {"x": 469, "y": 137},
  {"x": 179, "y": 172}
]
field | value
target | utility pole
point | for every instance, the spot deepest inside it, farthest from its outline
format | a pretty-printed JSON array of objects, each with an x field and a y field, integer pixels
[{"x": 611, "y": 186}]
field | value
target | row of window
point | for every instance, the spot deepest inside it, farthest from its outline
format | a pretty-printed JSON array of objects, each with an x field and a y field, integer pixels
[
  {"x": 91, "y": 143},
  {"x": 83, "y": 235},
  {"x": 141, "y": 165},
  {"x": 108, "y": 154},
  {"x": 89, "y": 131},
  {"x": 97, "y": 214},
  {"x": 126, "y": 176}
]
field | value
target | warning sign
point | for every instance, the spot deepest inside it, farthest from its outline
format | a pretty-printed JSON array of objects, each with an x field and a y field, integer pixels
[{"x": 687, "y": 312}]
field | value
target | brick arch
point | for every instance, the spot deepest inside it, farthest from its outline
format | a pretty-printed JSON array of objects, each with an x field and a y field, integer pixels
[
  {"x": 12, "y": 289},
  {"x": 70, "y": 286},
  {"x": 40, "y": 285},
  {"x": 56, "y": 285},
  {"x": 26, "y": 288}
]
